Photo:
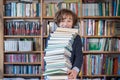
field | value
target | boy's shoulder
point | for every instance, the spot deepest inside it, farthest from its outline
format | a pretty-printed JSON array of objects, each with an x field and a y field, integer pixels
[{"x": 77, "y": 37}]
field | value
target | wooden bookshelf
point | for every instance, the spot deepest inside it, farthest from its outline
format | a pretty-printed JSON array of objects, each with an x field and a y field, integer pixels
[
  {"x": 42, "y": 37},
  {"x": 36, "y": 17},
  {"x": 1, "y": 40},
  {"x": 23, "y": 75}
]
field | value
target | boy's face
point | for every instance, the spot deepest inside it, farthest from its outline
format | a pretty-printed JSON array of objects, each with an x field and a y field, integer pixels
[{"x": 67, "y": 21}]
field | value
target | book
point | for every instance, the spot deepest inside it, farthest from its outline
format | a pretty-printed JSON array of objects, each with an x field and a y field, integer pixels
[
  {"x": 58, "y": 52},
  {"x": 63, "y": 51},
  {"x": 55, "y": 72},
  {"x": 57, "y": 77},
  {"x": 55, "y": 57},
  {"x": 70, "y": 30},
  {"x": 93, "y": 44}
]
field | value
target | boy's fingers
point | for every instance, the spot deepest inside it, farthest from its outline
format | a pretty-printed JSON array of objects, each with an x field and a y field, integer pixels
[{"x": 69, "y": 71}]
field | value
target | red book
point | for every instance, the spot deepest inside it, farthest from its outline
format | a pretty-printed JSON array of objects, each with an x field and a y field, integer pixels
[{"x": 115, "y": 65}]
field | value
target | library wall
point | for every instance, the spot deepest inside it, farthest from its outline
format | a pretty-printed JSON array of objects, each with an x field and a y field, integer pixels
[{"x": 1, "y": 39}]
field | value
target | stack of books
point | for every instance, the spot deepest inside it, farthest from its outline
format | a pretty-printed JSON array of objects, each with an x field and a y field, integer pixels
[{"x": 58, "y": 53}]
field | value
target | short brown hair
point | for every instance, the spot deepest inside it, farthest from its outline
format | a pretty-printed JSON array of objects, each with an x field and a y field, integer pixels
[{"x": 60, "y": 13}]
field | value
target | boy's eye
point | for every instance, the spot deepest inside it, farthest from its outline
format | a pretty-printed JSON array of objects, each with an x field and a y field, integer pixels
[
  {"x": 69, "y": 20},
  {"x": 66, "y": 20},
  {"x": 63, "y": 21}
]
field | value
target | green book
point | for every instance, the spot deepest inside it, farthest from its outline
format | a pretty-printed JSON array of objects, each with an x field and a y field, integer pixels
[{"x": 93, "y": 44}]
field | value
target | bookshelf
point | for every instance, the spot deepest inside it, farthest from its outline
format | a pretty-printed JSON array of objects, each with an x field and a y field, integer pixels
[
  {"x": 22, "y": 39},
  {"x": 1, "y": 41},
  {"x": 45, "y": 6},
  {"x": 99, "y": 63},
  {"x": 97, "y": 17}
]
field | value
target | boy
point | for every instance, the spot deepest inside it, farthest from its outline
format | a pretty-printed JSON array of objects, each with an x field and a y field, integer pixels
[{"x": 67, "y": 19}]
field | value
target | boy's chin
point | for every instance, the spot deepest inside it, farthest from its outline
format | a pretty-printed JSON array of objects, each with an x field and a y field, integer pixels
[{"x": 65, "y": 27}]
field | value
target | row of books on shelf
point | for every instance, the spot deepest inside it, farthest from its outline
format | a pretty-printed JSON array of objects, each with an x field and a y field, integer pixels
[
  {"x": 21, "y": 27},
  {"x": 92, "y": 27},
  {"x": 101, "y": 65},
  {"x": 101, "y": 44},
  {"x": 22, "y": 57},
  {"x": 52, "y": 8},
  {"x": 58, "y": 76},
  {"x": 58, "y": 53},
  {"x": 19, "y": 78},
  {"x": 107, "y": 8},
  {"x": 22, "y": 69},
  {"x": 29, "y": 44},
  {"x": 99, "y": 79},
  {"x": 89, "y": 44},
  {"x": 88, "y": 27},
  {"x": 110, "y": 8},
  {"x": 22, "y": 9},
  {"x": 14, "y": 45}
]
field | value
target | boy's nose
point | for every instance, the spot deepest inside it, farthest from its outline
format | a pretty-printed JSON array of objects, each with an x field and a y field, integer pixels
[{"x": 65, "y": 24}]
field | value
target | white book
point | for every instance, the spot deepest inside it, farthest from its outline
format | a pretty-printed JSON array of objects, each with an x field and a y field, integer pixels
[
  {"x": 55, "y": 72},
  {"x": 25, "y": 45},
  {"x": 27, "y": 12},
  {"x": 55, "y": 57},
  {"x": 58, "y": 65},
  {"x": 71, "y": 30},
  {"x": 10, "y": 45},
  {"x": 62, "y": 51},
  {"x": 54, "y": 46},
  {"x": 58, "y": 60},
  {"x": 57, "y": 42},
  {"x": 57, "y": 77},
  {"x": 60, "y": 38},
  {"x": 57, "y": 69},
  {"x": 61, "y": 35}
]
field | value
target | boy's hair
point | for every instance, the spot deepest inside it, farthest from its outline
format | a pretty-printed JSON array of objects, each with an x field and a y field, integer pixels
[{"x": 59, "y": 16}]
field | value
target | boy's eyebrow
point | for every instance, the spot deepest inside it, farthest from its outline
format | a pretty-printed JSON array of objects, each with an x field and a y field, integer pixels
[{"x": 67, "y": 18}]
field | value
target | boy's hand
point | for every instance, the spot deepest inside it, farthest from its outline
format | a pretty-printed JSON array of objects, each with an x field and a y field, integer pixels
[{"x": 72, "y": 74}]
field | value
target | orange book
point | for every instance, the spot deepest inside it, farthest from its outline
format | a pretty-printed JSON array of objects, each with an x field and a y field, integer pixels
[
  {"x": 115, "y": 65},
  {"x": 45, "y": 10},
  {"x": 96, "y": 28}
]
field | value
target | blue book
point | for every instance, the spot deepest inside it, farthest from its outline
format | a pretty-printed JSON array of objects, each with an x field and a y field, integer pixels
[
  {"x": 8, "y": 9},
  {"x": 114, "y": 7},
  {"x": 30, "y": 69},
  {"x": 100, "y": 9},
  {"x": 38, "y": 10}
]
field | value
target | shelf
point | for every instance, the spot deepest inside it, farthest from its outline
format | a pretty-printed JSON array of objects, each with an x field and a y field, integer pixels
[
  {"x": 101, "y": 36},
  {"x": 22, "y": 52},
  {"x": 48, "y": 17},
  {"x": 20, "y": 36},
  {"x": 45, "y": 36},
  {"x": 100, "y": 17},
  {"x": 9, "y": 17},
  {"x": 94, "y": 76},
  {"x": 23, "y": 75},
  {"x": 39, "y": 75},
  {"x": 23, "y": 63},
  {"x": 101, "y": 52},
  {"x": 88, "y": 17}
]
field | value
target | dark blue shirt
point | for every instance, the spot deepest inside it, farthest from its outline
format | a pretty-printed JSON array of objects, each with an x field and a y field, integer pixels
[{"x": 77, "y": 55}]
